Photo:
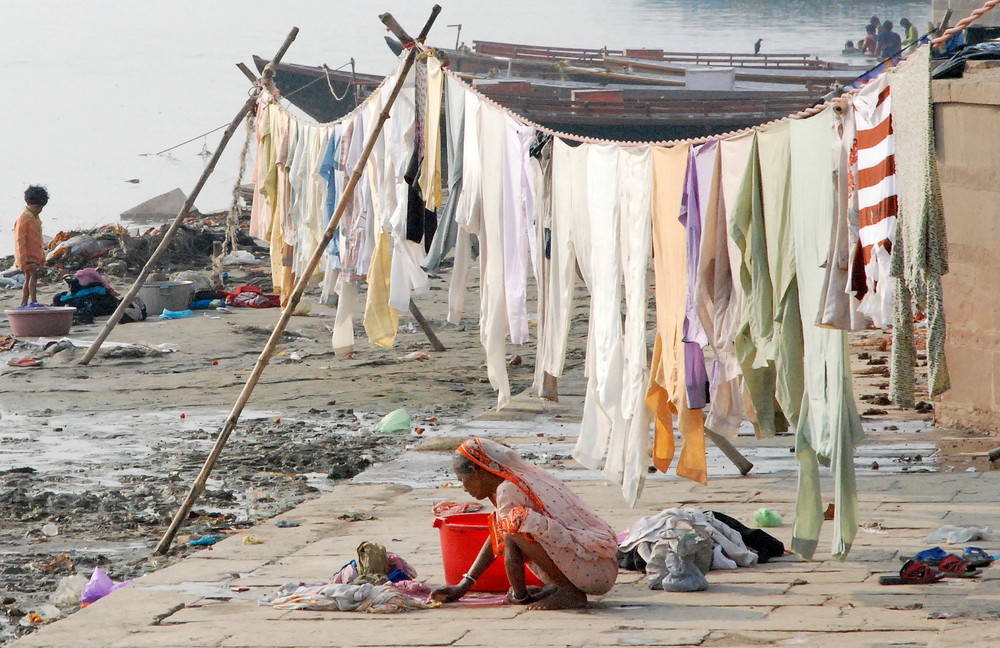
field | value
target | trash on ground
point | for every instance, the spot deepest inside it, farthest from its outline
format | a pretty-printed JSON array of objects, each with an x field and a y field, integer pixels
[
  {"x": 957, "y": 535},
  {"x": 169, "y": 314},
  {"x": 395, "y": 421},
  {"x": 25, "y": 362},
  {"x": 69, "y": 592},
  {"x": 99, "y": 586},
  {"x": 240, "y": 257},
  {"x": 765, "y": 517},
  {"x": 204, "y": 541}
]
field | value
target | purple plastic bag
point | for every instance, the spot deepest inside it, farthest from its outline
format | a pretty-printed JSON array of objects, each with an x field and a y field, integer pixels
[{"x": 100, "y": 585}]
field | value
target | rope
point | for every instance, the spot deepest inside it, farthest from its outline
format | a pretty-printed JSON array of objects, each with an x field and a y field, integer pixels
[
  {"x": 965, "y": 22},
  {"x": 196, "y": 137},
  {"x": 347, "y": 88},
  {"x": 349, "y": 115},
  {"x": 233, "y": 217},
  {"x": 299, "y": 89}
]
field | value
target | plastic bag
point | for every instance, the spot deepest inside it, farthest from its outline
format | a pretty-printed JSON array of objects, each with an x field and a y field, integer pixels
[
  {"x": 69, "y": 591},
  {"x": 100, "y": 585},
  {"x": 394, "y": 421},
  {"x": 958, "y": 535},
  {"x": 765, "y": 517},
  {"x": 169, "y": 314},
  {"x": 240, "y": 257}
]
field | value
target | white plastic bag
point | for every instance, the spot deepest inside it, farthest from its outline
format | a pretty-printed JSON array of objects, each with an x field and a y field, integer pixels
[{"x": 69, "y": 591}]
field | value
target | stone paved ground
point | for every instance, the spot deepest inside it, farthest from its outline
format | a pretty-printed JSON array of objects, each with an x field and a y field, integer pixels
[{"x": 789, "y": 602}]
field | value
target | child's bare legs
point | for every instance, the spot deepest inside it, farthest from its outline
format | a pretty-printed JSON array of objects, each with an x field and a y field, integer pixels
[{"x": 28, "y": 291}]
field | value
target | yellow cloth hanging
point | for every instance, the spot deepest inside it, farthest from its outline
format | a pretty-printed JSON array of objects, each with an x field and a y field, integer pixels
[
  {"x": 666, "y": 395},
  {"x": 381, "y": 320},
  {"x": 430, "y": 171}
]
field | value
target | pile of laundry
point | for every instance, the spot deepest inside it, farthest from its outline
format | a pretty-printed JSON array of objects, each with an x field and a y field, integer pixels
[
  {"x": 377, "y": 582},
  {"x": 678, "y": 546}
]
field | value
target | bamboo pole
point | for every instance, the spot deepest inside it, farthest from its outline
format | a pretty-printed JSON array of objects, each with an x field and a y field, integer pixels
[
  {"x": 425, "y": 326},
  {"x": 722, "y": 443},
  {"x": 246, "y": 72},
  {"x": 265, "y": 355},
  {"x": 168, "y": 237}
]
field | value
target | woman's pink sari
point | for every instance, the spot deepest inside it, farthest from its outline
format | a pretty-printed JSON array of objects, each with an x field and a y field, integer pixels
[{"x": 536, "y": 503}]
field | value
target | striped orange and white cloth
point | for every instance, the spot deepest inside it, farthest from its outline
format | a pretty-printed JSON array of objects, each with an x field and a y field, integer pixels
[{"x": 877, "y": 201}]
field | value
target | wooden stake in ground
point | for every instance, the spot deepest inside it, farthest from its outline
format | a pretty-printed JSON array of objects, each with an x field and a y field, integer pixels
[
  {"x": 300, "y": 285},
  {"x": 168, "y": 237}
]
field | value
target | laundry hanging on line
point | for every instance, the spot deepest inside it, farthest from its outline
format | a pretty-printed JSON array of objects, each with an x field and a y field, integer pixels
[{"x": 767, "y": 247}]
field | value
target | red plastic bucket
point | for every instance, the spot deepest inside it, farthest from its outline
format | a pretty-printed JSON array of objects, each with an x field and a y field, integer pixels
[{"x": 462, "y": 536}]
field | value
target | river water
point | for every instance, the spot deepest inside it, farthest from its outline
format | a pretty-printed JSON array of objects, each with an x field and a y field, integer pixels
[{"x": 97, "y": 88}]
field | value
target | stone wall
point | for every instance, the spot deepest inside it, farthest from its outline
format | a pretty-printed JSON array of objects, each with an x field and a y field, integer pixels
[{"x": 967, "y": 117}]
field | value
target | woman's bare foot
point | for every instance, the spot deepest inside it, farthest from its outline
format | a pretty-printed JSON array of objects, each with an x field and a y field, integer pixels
[
  {"x": 534, "y": 594},
  {"x": 561, "y": 599}
]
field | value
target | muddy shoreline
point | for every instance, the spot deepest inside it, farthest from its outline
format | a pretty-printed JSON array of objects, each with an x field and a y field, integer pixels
[{"x": 102, "y": 455}]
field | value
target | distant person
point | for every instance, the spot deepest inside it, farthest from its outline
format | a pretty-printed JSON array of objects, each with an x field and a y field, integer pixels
[
  {"x": 29, "y": 251},
  {"x": 868, "y": 44},
  {"x": 849, "y": 48},
  {"x": 910, "y": 35},
  {"x": 756, "y": 46},
  {"x": 888, "y": 42}
]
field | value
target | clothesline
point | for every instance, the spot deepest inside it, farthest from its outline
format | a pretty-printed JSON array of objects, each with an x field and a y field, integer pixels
[
  {"x": 802, "y": 114},
  {"x": 987, "y": 7}
]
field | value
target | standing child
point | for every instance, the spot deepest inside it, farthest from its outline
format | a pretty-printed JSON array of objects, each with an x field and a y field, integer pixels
[{"x": 29, "y": 252}]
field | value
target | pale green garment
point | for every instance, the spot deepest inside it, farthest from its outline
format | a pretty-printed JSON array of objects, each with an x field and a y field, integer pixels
[
  {"x": 748, "y": 258},
  {"x": 775, "y": 174},
  {"x": 829, "y": 426},
  {"x": 920, "y": 251}
]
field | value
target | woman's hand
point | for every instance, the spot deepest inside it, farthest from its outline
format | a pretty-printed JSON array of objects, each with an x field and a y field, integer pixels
[{"x": 449, "y": 593}]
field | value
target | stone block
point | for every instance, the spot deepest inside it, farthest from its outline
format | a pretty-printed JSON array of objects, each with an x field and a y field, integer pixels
[
  {"x": 571, "y": 637},
  {"x": 409, "y": 629},
  {"x": 181, "y": 635},
  {"x": 198, "y": 569},
  {"x": 974, "y": 383}
]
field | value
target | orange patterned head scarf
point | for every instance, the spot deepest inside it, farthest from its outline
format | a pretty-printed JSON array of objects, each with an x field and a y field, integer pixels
[{"x": 505, "y": 462}]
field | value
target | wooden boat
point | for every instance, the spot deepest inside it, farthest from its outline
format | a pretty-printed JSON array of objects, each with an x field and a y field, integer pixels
[
  {"x": 322, "y": 93},
  {"x": 820, "y": 77},
  {"x": 611, "y": 111},
  {"x": 600, "y": 76},
  {"x": 585, "y": 57},
  {"x": 639, "y": 113}
]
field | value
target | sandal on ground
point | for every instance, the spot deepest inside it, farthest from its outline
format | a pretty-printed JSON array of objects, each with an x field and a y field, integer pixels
[
  {"x": 956, "y": 567},
  {"x": 912, "y": 573},
  {"x": 25, "y": 362},
  {"x": 931, "y": 556},
  {"x": 977, "y": 557}
]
